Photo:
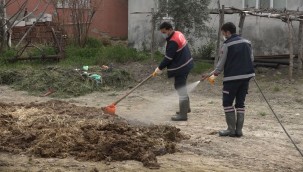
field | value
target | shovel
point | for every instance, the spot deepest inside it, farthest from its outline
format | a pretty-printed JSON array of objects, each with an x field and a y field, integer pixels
[{"x": 111, "y": 109}]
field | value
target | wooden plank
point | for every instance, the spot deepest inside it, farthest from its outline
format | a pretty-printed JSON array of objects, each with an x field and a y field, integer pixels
[
  {"x": 279, "y": 61},
  {"x": 300, "y": 51},
  {"x": 279, "y": 56},
  {"x": 291, "y": 49},
  {"x": 270, "y": 65}
]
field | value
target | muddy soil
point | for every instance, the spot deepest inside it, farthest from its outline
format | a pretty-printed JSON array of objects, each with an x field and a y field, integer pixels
[
  {"x": 264, "y": 146},
  {"x": 57, "y": 129}
]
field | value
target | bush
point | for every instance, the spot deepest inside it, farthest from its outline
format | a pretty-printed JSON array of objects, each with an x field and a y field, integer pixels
[
  {"x": 206, "y": 51},
  {"x": 93, "y": 43},
  {"x": 6, "y": 55},
  {"x": 9, "y": 53}
]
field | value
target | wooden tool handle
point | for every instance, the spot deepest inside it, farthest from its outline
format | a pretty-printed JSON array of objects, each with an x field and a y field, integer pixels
[{"x": 132, "y": 90}]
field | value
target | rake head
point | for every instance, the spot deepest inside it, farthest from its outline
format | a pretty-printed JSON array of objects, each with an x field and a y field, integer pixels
[{"x": 109, "y": 110}]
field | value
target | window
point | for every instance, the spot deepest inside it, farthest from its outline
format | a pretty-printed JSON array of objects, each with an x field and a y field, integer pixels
[
  {"x": 263, "y": 4},
  {"x": 73, "y": 4},
  {"x": 62, "y": 4}
]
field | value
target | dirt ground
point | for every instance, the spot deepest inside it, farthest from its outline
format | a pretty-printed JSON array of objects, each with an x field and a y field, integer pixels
[{"x": 264, "y": 147}]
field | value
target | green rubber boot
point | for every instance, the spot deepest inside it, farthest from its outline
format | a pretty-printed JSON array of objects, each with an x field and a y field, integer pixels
[
  {"x": 231, "y": 125},
  {"x": 182, "y": 116},
  {"x": 239, "y": 125},
  {"x": 189, "y": 110}
]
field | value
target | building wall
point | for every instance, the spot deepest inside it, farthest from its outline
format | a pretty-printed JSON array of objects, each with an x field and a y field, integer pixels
[
  {"x": 269, "y": 36},
  {"x": 111, "y": 18},
  {"x": 139, "y": 25}
]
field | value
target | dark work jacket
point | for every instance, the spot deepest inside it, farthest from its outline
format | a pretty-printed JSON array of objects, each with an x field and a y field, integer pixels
[
  {"x": 236, "y": 59},
  {"x": 178, "y": 60}
]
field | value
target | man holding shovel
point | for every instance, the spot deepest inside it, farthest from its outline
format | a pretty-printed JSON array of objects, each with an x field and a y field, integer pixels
[
  {"x": 237, "y": 63},
  {"x": 179, "y": 63}
]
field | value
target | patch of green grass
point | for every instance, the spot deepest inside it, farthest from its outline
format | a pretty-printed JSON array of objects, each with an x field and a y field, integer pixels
[
  {"x": 45, "y": 50},
  {"x": 262, "y": 113},
  {"x": 8, "y": 53},
  {"x": 201, "y": 67},
  {"x": 158, "y": 56},
  {"x": 76, "y": 56}
]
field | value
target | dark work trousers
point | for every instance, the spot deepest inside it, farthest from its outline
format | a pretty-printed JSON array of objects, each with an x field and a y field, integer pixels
[
  {"x": 235, "y": 91},
  {"x": 180, "y": 86}
]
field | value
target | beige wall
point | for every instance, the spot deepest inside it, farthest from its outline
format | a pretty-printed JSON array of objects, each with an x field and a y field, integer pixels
[{"x": 269, "y": 36}]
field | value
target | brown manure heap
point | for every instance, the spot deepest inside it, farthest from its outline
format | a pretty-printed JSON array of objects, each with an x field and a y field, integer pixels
[{"x": 57, "y": 129}]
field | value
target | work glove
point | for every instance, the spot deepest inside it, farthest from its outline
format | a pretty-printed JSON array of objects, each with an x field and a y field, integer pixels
[
  {"x": 212, "y": 79},
  {"x": 157, "y": 72}
]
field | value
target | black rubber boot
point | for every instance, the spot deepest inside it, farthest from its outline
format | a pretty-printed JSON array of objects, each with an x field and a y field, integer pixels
[
  {"x": 239, "y": 125},
  {"x": 189, "y": 109},
  {"x": 231, "y": 125},
  {"x": 184, "y": 107}
]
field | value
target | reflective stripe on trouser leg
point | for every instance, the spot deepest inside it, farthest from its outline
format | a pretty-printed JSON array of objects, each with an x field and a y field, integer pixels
[
  {"x": 240, "y": 110},
  {"x": 229, "y": 109}
]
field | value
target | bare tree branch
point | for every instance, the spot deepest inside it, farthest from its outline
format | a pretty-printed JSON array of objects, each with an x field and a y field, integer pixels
[
  {"x": 34, "y": 24},
  {"x": 34, "y": 10}
]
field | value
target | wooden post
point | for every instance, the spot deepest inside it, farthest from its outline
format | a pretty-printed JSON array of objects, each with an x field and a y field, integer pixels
[
  {"x": 241, "y": 23},
  {"x": 291, "y": 49},
  {"x": 152, "y": 44},
  {"x": 221, "y": 21},
  {"x": 300, "y": 51},
  {"x": 3, "y": 24}
]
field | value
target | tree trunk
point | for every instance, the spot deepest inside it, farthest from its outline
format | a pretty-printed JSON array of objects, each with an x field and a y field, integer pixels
[
  {"x": 153, "y": 23},
  {"x": 3, "y": 24},
  {"x": 221, "y": 21},
  {"x": 300, "y": 51},
  {"x": 291, "y": 50},
  {"x": 241, "y": 23}
]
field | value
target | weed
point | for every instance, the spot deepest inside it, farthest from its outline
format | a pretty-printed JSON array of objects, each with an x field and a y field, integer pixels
[
  {"x": 93, "y": 43},
  {"x": 276, "y": 89},
  {"x": 262, "y": 113},
  {"x": 211, "y": 102}
]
